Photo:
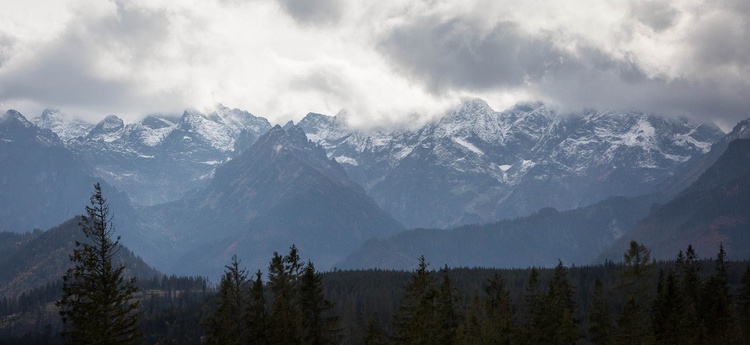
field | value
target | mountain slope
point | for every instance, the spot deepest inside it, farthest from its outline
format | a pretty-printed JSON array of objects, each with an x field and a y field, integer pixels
[
  {"x": 575, "y": 236},
  {"x": 157, "y": 160},
  {"x": 477, "y": 165},
  {"x": 281, "y": 191},
  {"x": 41, "y": 182},
  {"x": 32, "y": 260},
  {"x": 699, "y": 164},
  {"x": 714, "y": 210}
]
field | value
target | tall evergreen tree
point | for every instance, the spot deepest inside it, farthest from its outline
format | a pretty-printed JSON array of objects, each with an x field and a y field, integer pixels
[
  {"x": 98, "y": 304},
  {"x": 256, "y": 315},
  {"x": 319, "y": 325},
  {"x": 414, "y": 321},
  {"x": 534, "y": 303},
  {"x": 446, "y": 303},
  {"x": 284, "y": 324},
  {"x": 473, "y": 329},
  {"x": 668, "y": 321},
  {"x": 227, "y": 324},
  {"x": 560, "y": 326},
  {"x": 633, "y": 321},
  {"x": 743, "y": 302},
  {"x": 687, "y": 272},
  {"x": 500, "y": 325},
  {"x": 717, "y": 311},
  {"x": 602, "y": 328}
]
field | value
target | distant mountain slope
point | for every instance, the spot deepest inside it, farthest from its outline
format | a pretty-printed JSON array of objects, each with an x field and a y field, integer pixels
[
  {"x": 714, "y": 209},
  {"x": 41, "y": 182},
  {"x": 575, "y": 236},
  {"x": 281, "y": 191},
  {"x": 697, "y": 165},
  {"x": 31, "y": 260},
  {"x": 158, "y": 160},
  {"x": 477, "y": 165}
]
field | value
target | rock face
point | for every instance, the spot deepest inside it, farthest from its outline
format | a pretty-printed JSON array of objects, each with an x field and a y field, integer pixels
[
  {"x": 477, "y": 165},
  {"x": 281, "y": 191},
  {"x": 159, "y": 159}
]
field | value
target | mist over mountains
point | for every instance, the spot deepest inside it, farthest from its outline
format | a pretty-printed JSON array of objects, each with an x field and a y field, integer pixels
[{"x": 520, "y": 187}]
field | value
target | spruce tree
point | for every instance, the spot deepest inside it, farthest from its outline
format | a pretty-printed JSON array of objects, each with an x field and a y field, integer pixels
[
  {"x": 98, "y": 304},
  {"x": 633, "y": 321},
  {"x": 256, "y": 314},
  {"x": 602, "y": 328},
  {"x": 690, "y": 285},
  {"x": 743, "y": 303},
  {"x": 446, "y": 303},
  {"x": 474, "y": 327},
  {"x": 226, "y": 325},
  {"x": 500, "y": 325},
  {"x": 668, "y": 322},
  {"x": 534, "y": 303},
  {"x": 717, "y": 310},
  {"x": 319, "y": 325},
  {"x": 560, "y": 326},
  {"x": 414, "y": 321},
  {"x": 284, "y": 322}
]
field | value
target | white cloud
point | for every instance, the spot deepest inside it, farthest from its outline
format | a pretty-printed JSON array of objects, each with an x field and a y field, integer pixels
[{"x": 377, "y": 62}]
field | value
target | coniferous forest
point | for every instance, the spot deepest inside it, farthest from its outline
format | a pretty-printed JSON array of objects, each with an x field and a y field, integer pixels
[{"x": 686, "y": 300}]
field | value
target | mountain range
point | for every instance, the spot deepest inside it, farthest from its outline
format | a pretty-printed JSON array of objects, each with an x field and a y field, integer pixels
[
  {"x": 283, "y": 190},
  {"x": 476, "y": 186},
  {"x": 476, "y": 165}
]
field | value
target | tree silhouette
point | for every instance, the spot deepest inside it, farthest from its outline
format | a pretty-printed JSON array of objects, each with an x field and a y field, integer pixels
[{"x": 98, "y": 304}]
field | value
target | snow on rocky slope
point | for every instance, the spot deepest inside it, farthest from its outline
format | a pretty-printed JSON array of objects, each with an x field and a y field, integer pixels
[{"x": 478, "y": 165}]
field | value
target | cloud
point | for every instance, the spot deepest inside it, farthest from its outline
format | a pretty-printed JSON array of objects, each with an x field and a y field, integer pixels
[
  {"x": 455, "y": 54},
  {"x": 314, "y": 12},
  {"x": 652, "y": 57},
  {"x": 378, "y": 63}
]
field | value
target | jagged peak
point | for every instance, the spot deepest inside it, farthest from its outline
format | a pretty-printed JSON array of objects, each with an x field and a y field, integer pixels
[
  {"x": 289, "y": 125},
  {"x": 740, "y": 131},
  {"x": 155, "y": 122},
  {"x": 13, "y": 114},
  {"x": 50, "y": 112},
  {"x": 111, "y": 122}
]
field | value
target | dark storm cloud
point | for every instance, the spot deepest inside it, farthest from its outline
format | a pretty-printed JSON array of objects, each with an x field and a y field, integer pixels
[
  {"x": 595, "y": 79},
  {"x": 73, "y": 70},
  {"x": 723, "y": 41},
  {"x": 659, "y": 15},
  {"x": 314, "y": 12},
  {"x": 454, "y": 54},
  {"x": 451, "y": 54}
]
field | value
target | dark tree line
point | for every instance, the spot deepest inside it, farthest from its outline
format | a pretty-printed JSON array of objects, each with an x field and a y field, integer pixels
[
  {"x": 683, "y": 306},
  {"x": 290, "y": 309}
]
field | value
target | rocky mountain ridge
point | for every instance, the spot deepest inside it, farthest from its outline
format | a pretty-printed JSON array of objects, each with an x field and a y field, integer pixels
[
  {"x": 156, "y": 159},
  {"x": 477, "y": 165}
]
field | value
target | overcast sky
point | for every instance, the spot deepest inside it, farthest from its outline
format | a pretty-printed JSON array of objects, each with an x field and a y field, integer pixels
[{"x": 379, "y": 62}]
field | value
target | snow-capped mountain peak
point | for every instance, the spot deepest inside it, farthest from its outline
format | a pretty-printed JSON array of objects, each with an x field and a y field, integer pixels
[{"x": 65, "y": 126}]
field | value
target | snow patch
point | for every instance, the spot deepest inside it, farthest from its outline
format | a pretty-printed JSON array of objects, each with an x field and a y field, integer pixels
[
  {"x": 468, "y": 145},
  {"x": 505, "y": 167},
  {"x": 346, "y": 160}
]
